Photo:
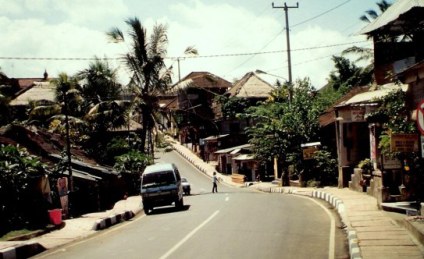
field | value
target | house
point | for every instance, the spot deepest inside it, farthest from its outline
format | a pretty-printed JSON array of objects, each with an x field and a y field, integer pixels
[
  {"x": 251, "y": 88},
  {"x": 30, "y": 90},
  {"x": 398, "y": 37},
  {"x": 187, "y": 107},
  {"x": 92, "y": 182},
  {"x": 234, "y": 155}
]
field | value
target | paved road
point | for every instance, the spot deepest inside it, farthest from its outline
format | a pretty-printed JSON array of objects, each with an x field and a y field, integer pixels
[{"x": 234, "y": 223}]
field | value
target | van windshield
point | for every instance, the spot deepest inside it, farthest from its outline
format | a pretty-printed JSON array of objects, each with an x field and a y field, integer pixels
[{"x": 158, "y": 179}]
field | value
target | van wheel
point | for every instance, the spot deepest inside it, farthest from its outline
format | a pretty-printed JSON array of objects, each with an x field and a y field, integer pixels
[
  {"x": 179, "y": 204},
  {"x": 146, "y": 209}
]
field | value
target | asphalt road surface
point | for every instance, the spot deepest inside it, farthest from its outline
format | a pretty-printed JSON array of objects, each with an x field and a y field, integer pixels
[{"x": 233, "y": 223}]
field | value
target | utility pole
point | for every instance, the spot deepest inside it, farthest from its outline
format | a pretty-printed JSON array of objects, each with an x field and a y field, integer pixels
[
  {"x": 286, "y": 9},
  {"x": 279, "y": 159}
]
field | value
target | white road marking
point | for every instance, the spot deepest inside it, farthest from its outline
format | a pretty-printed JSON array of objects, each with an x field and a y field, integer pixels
[
  {"x": 331, "y": 244},
  {"x": 227, "y": 198},
  {"x": 189, "y": 235}
]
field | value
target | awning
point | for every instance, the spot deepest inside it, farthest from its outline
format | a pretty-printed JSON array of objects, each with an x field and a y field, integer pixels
[
  {"x": 371, "y": 96},
  {"x": 231, "y": 149},
  {"x": 83, "y": 175},
  {"x": 235, "y": 151},
  {"x": 215, "y": 137},
  {"x": 244, "y": 157}
]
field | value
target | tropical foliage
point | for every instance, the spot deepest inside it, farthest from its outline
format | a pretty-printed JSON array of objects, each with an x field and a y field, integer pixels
[
  {"x": 393, "y": 115},
  {"x": 281, "y": 126},
  {"x": 19, "y": 206},
  {"x": 149, "y": 75},
  {"x": 231, "y": 106}
]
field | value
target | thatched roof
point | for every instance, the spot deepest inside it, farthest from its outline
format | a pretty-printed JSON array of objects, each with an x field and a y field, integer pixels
[
  {"x": 202, "y": 80},
  {"x": 251, "y": 86}
]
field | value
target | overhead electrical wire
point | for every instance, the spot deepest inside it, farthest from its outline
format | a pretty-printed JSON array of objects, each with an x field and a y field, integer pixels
[
  {"x": 305, "y": 21},
  {"x": 187, "y": 57},
  {"x": 321, "y": 14}
]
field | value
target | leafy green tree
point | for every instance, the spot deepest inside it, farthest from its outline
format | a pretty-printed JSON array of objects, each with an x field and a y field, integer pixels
[
  {"x": 282, "y": 126},
  {"x": 393, "y": 115},
  {"x": 18, "y": 202},
  {"x": 131, "y": 165},
  {"x": 347, "y": 75},
  {"x": 145, "y": 61},
  {"x": 231, "y": 106}
]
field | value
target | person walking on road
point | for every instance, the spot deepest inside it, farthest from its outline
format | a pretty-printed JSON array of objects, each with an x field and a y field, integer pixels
[{"x": 214, "y": 181}]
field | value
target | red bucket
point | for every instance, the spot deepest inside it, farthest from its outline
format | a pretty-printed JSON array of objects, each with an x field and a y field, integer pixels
[{"x": 55, "y": 216}]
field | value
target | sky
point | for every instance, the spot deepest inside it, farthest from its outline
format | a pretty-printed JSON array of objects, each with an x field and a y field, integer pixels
[{"x": 233, "y": 37}]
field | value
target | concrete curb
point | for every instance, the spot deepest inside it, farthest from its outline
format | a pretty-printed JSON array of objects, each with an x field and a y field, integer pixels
[
  {"x": 190, "y": 159},
  {"x": 354, "y": 250},
  {"x": 26, "y": 250},
  {"x": 112, "y": 220},
  {"x": 22, "y": 251}
]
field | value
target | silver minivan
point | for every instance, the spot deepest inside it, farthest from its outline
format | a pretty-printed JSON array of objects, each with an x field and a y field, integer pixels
[{"x": 161, "y": 186}]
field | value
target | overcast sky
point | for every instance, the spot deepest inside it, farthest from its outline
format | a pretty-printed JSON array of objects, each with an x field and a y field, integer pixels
[{"x": 225, "y": 33}]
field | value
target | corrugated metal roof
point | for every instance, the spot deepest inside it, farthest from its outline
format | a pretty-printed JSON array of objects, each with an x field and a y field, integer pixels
[
  {"x": 231, "y": 149},
  {"x": 392, "y": 14},
  {"x": 372, "y": 96},
  {"x": 40, "y": 91},
  {"x": 244, "y": 157},
  {"x": 215, "y": 137}
]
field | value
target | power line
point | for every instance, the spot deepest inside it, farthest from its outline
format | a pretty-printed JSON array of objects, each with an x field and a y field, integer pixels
[
  {"x": 187, "y": 57},
  {"x": 321, "y": 14}
]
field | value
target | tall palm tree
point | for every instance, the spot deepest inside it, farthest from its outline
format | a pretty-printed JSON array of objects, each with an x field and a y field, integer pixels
[
  {"x": 99, "y": 83},
  {"x": 367, "y": 54},
  {"x": 103, "y": 106},
  {"x": 371, "y": 14},
  {"x": 149, "y": 76}
]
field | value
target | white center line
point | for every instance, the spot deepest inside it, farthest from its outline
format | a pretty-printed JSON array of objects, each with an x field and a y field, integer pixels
[
  {"x": 227, "y": 198},
  {"x": 187, "y": 237},
  {"x": 331, "y": 244}
]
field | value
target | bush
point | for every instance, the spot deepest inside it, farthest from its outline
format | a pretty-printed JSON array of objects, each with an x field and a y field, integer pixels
[
  {"x": 20, "y": 204},
  {"x": 131, "y": 165}
]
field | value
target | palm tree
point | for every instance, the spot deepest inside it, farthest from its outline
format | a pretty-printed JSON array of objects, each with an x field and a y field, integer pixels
[
  {"x": 99, "y": 83},
  {"x": 149, "y": 76},
  {"x": 68, "y": 94},
  {"x": 371, "y": 14},
  {"x": 367, "y": 54}
]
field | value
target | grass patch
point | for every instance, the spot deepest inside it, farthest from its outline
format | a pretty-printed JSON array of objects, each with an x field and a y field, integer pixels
[{"x": 16, "y": 233}]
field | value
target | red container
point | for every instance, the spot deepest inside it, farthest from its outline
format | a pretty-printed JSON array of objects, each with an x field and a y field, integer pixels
[{"x": 55, "y": 216}]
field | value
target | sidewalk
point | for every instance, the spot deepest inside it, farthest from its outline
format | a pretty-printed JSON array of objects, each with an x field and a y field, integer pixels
[
  {"x": 371, "y": 232},
  {"x": 72, "y": 230}
]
